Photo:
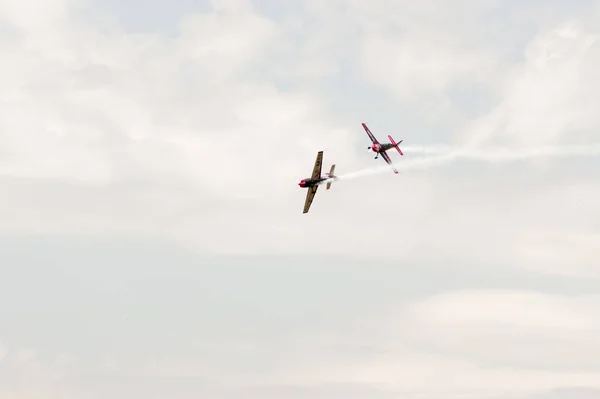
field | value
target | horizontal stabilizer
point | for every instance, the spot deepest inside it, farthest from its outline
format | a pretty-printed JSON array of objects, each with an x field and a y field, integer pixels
[
  {"x": 395, "y": 144},
  {"x": 331, "y": 175}
]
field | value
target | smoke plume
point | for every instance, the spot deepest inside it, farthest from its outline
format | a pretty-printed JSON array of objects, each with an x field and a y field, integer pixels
[{"x": 438, "y": 156}]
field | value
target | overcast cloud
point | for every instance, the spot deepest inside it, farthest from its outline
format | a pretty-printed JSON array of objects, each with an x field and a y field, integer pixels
[{"x": 152, "y": 238}]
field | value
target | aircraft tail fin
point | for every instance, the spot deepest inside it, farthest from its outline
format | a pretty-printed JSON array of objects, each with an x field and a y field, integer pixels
[
  {"x": 395, "y": 144},
  {"x": 330, "y": 174}
]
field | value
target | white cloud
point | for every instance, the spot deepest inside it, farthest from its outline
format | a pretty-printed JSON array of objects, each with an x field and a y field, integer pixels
[
  {"x": 516, "y": 329},
  {"x": 413, "y": 51},
  {"x": 479, "y": 343},
  {"x": 569, "y": 393},
  {"x": 105, "y": 104},
  {"x": 203, "y": 136},
  {"x": 562, "y": 252},
  {"x": 25, "y": 375},
  {"x": 186, "y": 116},
  {"x": 550, "y": 97},
  {"x": 34, "y": 16},
  {"x": 419, "y": 65}
]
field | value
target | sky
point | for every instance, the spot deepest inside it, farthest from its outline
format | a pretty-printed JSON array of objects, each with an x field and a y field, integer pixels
[{"x": 153, "y": 245}]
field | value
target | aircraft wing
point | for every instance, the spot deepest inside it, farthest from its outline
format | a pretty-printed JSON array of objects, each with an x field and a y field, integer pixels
[
  {"x": 309, "y": 197},
  {"x": 316, "y": 174},
  {"x": 373, "y": 139},
  {"x": 389, "y": 161}
]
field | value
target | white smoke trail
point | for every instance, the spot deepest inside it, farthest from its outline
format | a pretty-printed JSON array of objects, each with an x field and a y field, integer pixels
[
  {"x": 445, "y": 155},
  {"x": 509, "y": 155}
]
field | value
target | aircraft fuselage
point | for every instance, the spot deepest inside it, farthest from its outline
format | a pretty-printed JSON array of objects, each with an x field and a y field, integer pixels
[
  {"x": 380, "y": 147},
  {"x": 308, "y": 182}
]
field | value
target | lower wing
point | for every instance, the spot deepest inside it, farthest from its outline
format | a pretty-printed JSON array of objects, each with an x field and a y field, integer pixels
[
  {"x": 309, "y": 197},
  {"x": 389, "y": 161}
]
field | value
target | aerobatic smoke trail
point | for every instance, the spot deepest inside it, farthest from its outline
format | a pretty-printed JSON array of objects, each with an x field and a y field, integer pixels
[{"x": 444, "y": 155}]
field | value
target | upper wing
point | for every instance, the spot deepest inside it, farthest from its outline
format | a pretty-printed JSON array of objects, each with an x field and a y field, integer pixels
[
  {"x": 373, "y": 139},
  {"x": 388, "y": 160},
  {"x": 309, "y": 197},
  {"x": 316, "y": 174}
]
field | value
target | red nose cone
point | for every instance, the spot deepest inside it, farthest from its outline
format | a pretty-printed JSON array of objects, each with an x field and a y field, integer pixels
[{"x": 301, "y": 184}]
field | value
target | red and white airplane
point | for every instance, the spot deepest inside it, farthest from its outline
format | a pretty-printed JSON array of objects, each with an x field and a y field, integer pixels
[{"x": 380, "y": 149}]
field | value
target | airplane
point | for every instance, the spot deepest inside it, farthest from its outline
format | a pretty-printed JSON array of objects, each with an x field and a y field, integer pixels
[
  {"x": 315, "y": 180},
  {"x": 380, "y": 149}
]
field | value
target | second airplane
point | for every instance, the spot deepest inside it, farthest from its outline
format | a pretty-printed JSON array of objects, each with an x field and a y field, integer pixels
[{"x": 380, "y": 149}]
